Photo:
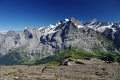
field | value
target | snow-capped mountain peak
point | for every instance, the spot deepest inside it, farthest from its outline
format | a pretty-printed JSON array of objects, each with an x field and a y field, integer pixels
[
  {"x": 26, "y": 27},
  {"x": 101, "y": 26},
  {"x": 95, "y": 24},
  {"x": 52, "y": 28},
  {"x": 93, "y": 21},
  {"x": 3, "y": 32}
]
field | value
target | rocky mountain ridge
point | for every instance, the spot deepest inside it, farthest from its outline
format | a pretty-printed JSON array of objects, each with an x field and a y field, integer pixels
[{"x": 60, "y": 36}]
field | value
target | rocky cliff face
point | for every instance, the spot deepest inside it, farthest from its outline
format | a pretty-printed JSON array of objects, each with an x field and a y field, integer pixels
[
  {"x": 58, "y": 37},
  {"x": 111, "y": 30}
]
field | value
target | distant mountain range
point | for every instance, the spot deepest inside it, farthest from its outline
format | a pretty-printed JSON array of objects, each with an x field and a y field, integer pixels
[
  {"x": 3, "y": 32},
  {"x": 92, "y": 36}
]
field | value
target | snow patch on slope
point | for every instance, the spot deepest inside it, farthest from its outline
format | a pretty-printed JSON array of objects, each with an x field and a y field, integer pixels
[
  {"x": 50, "y": 29},
  {"x": 41, "y": 28},
  {"x": 102, "y": 28},
  {"x": 79, "y": 26},
  {"x": 66, "y": 19}
]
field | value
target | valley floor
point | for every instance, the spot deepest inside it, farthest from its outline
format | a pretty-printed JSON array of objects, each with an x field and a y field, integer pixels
[{"x": 92, "y": 70}]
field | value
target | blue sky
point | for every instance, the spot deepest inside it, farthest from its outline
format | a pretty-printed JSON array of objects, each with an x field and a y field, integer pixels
[{"x": 18, "y": 14}]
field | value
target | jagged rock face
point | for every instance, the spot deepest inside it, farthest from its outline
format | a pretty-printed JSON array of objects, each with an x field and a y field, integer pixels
[
  {"x": 27, "y": 39},
  {"x": 70, "y": 35},
  {"x": 109, "y": 34},
  {"x": 117, "y": 42},
  {"x": 58, "y": 37}
]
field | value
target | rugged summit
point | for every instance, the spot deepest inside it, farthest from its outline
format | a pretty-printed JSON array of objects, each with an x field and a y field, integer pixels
[
  {"x": 61, "y": 36},
  {"x": 111, "y": 30}
]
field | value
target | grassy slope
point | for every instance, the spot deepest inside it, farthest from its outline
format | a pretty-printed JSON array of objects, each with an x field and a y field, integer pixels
[
  {"x": 9, "y": 59},
  {"x": 14, "y": 58},
  {"x": 69, "y": 54},
  {"x": 107, "y": 43},
  {"x": 73, "y": 54}
]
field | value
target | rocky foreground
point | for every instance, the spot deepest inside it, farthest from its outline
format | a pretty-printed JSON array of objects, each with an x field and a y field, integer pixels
[{"x": 93, "y": 69}]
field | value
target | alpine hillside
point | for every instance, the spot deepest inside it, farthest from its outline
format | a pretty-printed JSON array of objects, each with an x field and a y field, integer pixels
[{"x": 93, "y": 36}]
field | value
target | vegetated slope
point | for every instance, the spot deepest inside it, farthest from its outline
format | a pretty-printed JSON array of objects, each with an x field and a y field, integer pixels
[
  {"x": 15, "y": 58},
  {"x": 74, "y": 54}
]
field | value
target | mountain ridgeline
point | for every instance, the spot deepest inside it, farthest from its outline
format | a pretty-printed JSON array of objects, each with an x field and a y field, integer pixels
[{"x": 96, "y": 37}]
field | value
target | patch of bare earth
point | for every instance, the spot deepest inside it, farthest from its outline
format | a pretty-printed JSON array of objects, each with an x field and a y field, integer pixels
[{"x": 93, "y": 69}]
